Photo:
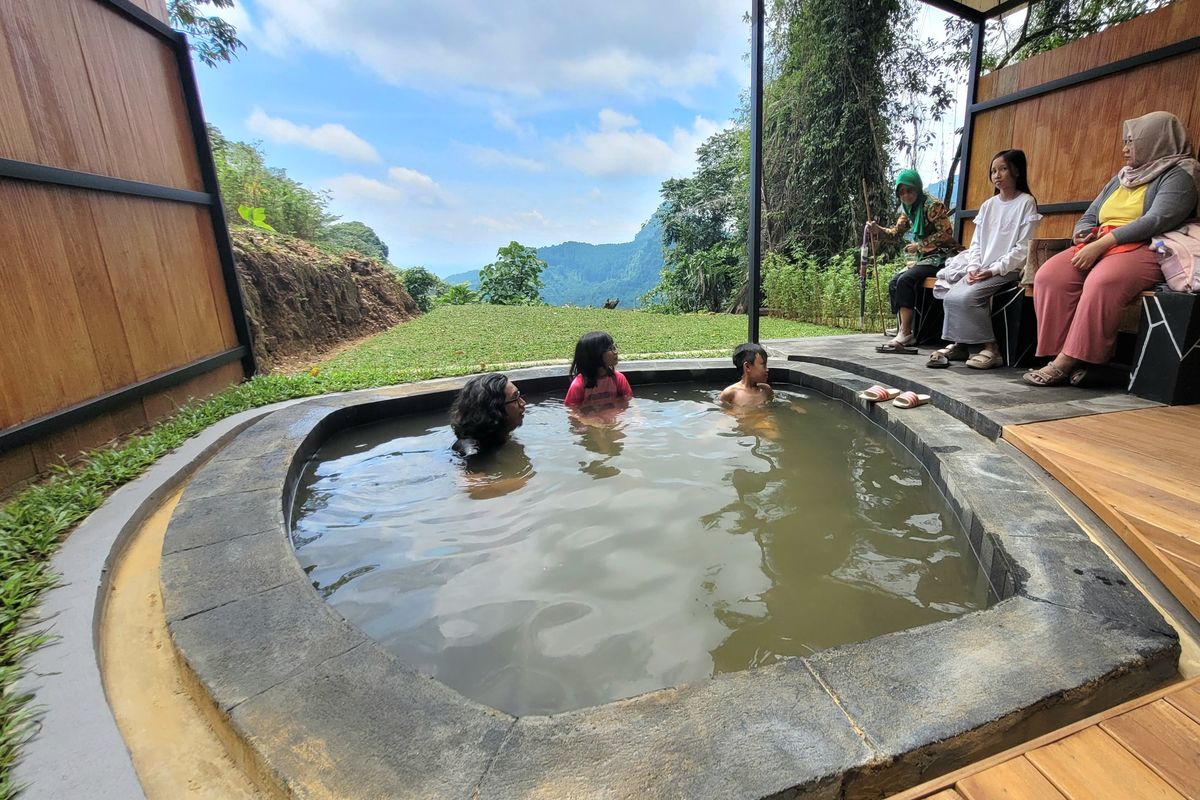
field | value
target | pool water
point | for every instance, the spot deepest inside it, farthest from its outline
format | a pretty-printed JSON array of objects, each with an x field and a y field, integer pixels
[{"x": 586, "y": 562}]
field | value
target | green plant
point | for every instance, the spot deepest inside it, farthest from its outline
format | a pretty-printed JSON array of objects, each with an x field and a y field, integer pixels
[
  {"x": 256, "y": 217},
  {"x": 459, "y": 294},
  {"x": 514, "y": 278},
  {"x": 422, "y": 286},
  {"x": 825, "y": 292}
]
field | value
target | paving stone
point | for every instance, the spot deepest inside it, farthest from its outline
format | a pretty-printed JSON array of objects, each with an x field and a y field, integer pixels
[
  {"x": 205, "y": 577},
  {"x": 247, "y": 646},
  {"x": 742, "y": 735},
  {"x": 1078, "y": 575},
  {"x": 208, "y": 520},
  {"x": 362, "y": 725},
  {"x": 241, "y": 475},
  {"x": 962, "y": 684}
]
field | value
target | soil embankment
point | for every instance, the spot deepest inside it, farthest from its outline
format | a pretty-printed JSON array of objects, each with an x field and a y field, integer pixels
[{"x": 303, "y": 301}]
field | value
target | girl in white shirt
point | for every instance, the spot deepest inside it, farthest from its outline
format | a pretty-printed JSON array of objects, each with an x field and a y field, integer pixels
[{"x": 1003, "y": 228}]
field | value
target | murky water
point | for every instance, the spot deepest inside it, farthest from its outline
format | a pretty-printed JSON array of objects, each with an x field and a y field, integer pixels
[{"x": 581, "y": 564}]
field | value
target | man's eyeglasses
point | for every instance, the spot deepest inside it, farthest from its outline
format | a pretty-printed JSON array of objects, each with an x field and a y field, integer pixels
[{"x": 516, "y": 398}]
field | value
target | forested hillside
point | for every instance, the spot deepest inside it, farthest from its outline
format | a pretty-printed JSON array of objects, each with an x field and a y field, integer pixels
[{"x": 583, "y": 274}]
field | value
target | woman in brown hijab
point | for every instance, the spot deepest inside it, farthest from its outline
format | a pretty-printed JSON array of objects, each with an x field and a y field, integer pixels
[{"x": 1080, "y": 293}]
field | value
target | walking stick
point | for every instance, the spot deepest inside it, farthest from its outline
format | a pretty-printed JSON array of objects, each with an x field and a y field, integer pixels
[{"x": 874, "y": 265}]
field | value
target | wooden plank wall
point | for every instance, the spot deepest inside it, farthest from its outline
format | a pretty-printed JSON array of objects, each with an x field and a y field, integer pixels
[
  {"x": 1072, "y": 137},
  {"x": 101, "y": 290}
]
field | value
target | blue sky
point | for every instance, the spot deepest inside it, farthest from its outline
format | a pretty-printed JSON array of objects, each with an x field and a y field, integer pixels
[{"x": 454, "y": 127}]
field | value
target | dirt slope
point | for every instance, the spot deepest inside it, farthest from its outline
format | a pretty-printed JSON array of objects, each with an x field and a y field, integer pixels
[{"x": 302, "y": 300}]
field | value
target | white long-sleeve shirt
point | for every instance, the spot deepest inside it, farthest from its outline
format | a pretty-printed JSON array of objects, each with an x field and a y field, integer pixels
[{"x": 1003, "y": 229}]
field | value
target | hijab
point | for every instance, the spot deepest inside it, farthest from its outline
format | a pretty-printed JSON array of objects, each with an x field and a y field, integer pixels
[
  {"x": 915, "y": 211},
  {"x": 1159, "y": 142}
]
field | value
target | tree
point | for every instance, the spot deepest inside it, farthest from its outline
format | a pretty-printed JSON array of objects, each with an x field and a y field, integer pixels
[
  {"x": 824, "y": 124},
  {"x": 704, "y": 221},
  {"x": 246, "y": 180},
  {"x": 514, "y": 278},
  {"x": 211, "y": 38},
  {"x": 357, "y": 236},
  {"x": 422, "y": 285}
]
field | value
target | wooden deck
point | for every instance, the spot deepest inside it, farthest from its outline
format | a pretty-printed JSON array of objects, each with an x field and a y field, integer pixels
[
  {"x": 1146, "y": 748},
  {"x": 1137, "y": 470}
]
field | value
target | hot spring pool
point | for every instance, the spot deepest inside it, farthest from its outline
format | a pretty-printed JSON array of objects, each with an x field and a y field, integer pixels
[{"x": 584, "y": 563}]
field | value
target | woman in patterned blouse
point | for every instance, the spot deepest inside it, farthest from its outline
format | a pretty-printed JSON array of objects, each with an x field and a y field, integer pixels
[{"x": 933, "y": 242}]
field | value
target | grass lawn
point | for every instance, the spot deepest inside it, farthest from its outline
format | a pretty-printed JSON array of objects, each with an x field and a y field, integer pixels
[
  {"x": 454, "y": 340},
  {"x": 459, "y": 339}
]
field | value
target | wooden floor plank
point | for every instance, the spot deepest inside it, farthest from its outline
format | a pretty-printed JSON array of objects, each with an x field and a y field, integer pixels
[
  {"x": 946, "y": 794},
  {"x": 1186, "y": 700},
  {"x": 1016, "y": 779},
  {"x": 1133, "y": 469},
  {"x": 1188, "y": 688},
  {"x": 1164, "y": 739},
  {"x": 1091, "y": 764}
]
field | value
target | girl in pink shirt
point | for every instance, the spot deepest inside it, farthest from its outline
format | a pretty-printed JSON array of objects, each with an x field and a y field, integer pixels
[{"x": 595, "y": 380}]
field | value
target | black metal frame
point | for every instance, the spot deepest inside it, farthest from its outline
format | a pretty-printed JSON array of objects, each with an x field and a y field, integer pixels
[
  {"x": 21, "y": 170},
  {"x": 753, "y": 234},
  {"x": 964, "y": 157}
]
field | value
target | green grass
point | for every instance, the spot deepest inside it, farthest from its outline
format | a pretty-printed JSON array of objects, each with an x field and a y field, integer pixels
[
  {"x": 454, "y": 340},
  {"x": 461, "y": 338}
]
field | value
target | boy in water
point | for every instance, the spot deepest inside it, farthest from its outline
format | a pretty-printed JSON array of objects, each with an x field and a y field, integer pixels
[{"x": 751, "y": 360}]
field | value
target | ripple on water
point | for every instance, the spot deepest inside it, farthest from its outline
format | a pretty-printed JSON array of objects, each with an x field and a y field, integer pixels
[{"x": 583, "y": 563}]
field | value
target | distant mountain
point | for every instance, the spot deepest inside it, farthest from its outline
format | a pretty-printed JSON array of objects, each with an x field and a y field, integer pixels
[{"x": 582, "y": 274}]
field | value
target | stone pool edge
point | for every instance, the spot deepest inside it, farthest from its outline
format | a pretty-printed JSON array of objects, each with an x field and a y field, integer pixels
[{"x": 325, "y": 711}]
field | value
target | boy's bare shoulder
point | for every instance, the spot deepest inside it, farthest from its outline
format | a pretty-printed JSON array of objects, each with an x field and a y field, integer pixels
[{"x": 737, "y": 394}]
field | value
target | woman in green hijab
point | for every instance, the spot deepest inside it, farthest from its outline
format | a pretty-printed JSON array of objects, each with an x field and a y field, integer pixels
[{"x": 933, "y": 242}]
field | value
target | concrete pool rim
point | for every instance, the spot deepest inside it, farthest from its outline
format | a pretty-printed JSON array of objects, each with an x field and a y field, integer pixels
[{"x": 325, "y": 711}]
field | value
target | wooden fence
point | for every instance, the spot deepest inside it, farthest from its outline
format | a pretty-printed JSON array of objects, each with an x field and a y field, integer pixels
[
  {"x": 1064, "y": 108},
  {"x": 119, "y": 298}
]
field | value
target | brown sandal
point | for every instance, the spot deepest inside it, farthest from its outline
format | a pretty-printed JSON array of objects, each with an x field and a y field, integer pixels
[{"x": 1048, "y": 375}]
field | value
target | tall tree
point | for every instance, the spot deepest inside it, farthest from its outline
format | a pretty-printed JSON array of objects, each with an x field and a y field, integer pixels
[
  {"x": 704, "y": 222},
  {"x": 824, "y": 128},
  {"x": 212, "y": 38},
  {"x": 514, "y": 278}
]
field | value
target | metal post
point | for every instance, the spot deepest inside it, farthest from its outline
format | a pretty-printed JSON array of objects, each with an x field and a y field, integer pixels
[
  {"x": 753, "y": 233},
  {"x": 964, "y": 163}
]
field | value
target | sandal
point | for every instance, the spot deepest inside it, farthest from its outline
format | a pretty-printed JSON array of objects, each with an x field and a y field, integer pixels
[
  {"x": 910, "y": 400},
  {"x": 985, "y": 359},
  {"x": 940, "y": 359},
  {"x": 1078, "y": 376},
  {"x": 892, "y": 347},
  {"x": 1048, "y": 375},
  {"x": 878, "y": 394}
]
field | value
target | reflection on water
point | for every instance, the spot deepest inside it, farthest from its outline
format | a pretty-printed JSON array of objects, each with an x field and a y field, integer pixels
[{"x": 589, "y": 560}]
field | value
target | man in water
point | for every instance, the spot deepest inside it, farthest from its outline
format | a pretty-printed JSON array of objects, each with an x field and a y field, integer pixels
[{"x": 751, "y": 361}]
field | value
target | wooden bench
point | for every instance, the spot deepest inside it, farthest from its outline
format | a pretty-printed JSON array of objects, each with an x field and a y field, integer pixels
[{"x": 1164, "y": 360}]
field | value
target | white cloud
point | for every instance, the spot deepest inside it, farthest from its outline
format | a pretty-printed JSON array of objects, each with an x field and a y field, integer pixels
[
  {"x": 330, "y": 138},
  {"x": 505, "y": 120},
  {"x": 404, "y": 186},
  {"x": 497, "y": 159},
  {"x": 522, "y": 47},
  {"x": 527, "y": 221},
  {"x": 619, "y": 147}
]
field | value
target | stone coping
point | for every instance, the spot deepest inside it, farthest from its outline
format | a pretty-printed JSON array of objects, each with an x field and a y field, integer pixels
[{"x": 323, "y": 710}]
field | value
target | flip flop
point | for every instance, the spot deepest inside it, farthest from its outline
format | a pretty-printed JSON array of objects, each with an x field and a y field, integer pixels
[
  {"x": 896, "y": 348},
  {"x": 878, "y": 394},
  {"x": 910, "y": 400}
]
